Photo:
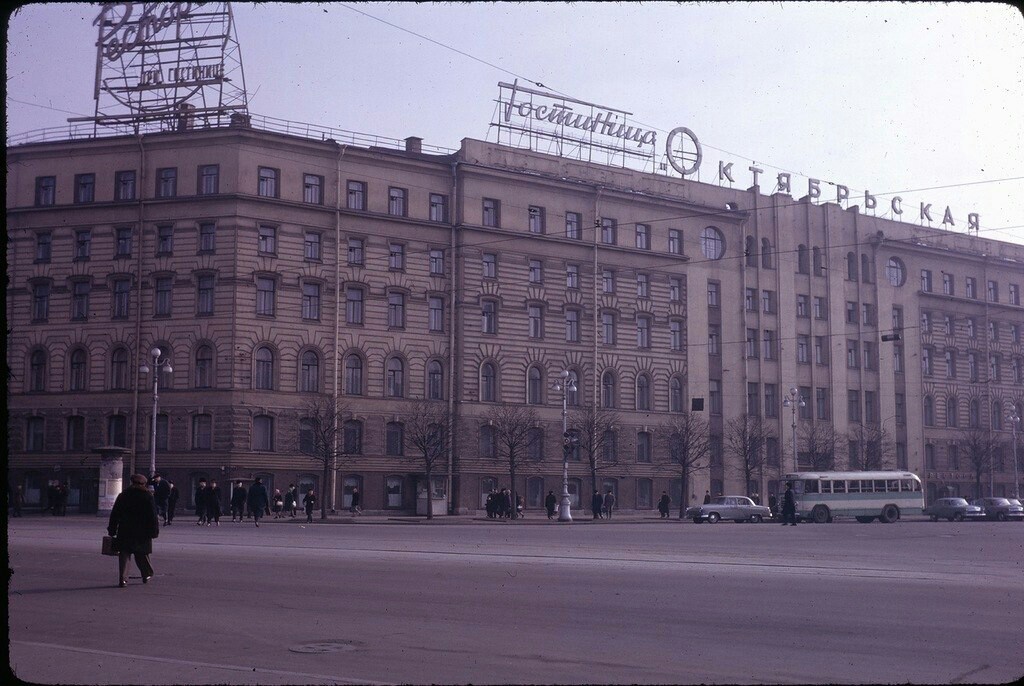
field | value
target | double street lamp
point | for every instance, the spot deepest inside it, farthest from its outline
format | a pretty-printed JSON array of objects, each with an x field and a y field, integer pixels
[
  {"x": 160, "y": 364},
  {"x": 1014, "y": 425},
  {"x": 793, "y": 401},
  {"x": 566, "y": 384}
]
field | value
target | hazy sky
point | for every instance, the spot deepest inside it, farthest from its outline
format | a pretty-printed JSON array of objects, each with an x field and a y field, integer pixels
[{"x": 924, "y": 100}]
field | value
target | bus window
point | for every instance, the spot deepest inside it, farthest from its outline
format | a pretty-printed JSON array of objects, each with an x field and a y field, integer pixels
[
  {"x": 893, "y": 486},
  {"x": 798, "y": 487},
  {"x": 911, "y": 484},
  {"x": 854, "y": 486},
  {"x": 826, "y": 486},
  {"x": 811, "y": 486},
  {"x": 879, "y": 485},
  {"x": 839, "y": 486}
]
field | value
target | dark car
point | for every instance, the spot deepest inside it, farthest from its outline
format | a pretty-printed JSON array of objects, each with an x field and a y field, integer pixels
[
  {"x": 953, "y": 509},
  {"x": 999, "y": 509}
]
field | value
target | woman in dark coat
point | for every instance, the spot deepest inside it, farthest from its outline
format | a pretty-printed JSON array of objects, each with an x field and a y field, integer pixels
[
  {"x": 134, "y": 524},
  {"x": 664, "y": 504},
  {"x": 213, "y": 504}
]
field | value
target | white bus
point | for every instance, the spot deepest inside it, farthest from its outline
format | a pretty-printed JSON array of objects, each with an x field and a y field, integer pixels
[{"x": 887, "y": 496}]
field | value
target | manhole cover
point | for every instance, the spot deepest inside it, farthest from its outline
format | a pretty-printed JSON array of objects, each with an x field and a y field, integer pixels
[{"x": 323, "y": 647}]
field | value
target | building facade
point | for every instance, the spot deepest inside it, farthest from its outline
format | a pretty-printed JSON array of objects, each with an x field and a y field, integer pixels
[{"x": 274, "y": 270}]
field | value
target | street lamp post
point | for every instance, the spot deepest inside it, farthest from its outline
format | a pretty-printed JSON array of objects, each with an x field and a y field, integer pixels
[
  {"x": 160, "y": 364},
  {"x": 793, "y": 401},
  {"x": 1014, "y": 424},
  {"x": 565, "y": 384}
]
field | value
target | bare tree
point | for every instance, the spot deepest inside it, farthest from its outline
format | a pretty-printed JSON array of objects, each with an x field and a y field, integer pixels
[
  {"x": 514, "y": 435},
  {"x": 426, "y": 432},
  {"x": 978, "y": 446},
  {"x": 322, "y": 439},
  {"x": 688, "y": 443},
  {"x": 871, "y": 448},
  {"x": 744, "y": 438},
  {"x": 594, "y": 427},
  {"x": 822, "y": 444}
]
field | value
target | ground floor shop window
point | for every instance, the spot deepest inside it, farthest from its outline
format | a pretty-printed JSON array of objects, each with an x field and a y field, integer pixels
[{"x": 393, "y": 486}]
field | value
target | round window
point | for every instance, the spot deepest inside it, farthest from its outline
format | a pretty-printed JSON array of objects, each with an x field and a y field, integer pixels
[{"x": 896, "y": 271}]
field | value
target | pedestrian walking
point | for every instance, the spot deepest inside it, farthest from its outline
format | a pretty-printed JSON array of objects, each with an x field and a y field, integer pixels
[
  {"x": 788, "y": 506},
  {"x": 161, "y": 491},
  {"x": 277, "y": 504},
  {"x": 200, "y": 498},
  {"x": 257, "y": 499},
  {"x": 773, "y": 504},
  {"x": 18, "y": 501},
  {"x": 664, "y": 504},
  {"x": 172, "y": 502},
  {"x": 356, "y": 499},
  {"x": 238, "y": 495},
  {"x": 62, "y": 498},
  {"x": 213, "y": 504},
  {"x": 550, "y": 503},
  {"x": 309, "y": 502},
  {"x": 707, "y": 497},
  {"x": 506, "y": 503},
  {"x": 134, "y": 524},
  {"x": 756, "y": 498},
  {"x": 596, "y": 503},
  {"x": 609, "y": 503},
  {"x": 491, "y": 504},
  {"x": 290, "y": 500},
  {"x": 520, "y": 506}
]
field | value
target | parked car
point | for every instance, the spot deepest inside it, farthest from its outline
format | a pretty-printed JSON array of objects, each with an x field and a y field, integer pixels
[
  {"x": 953, "y": 509},
  {"x": 999, "y": 509},
  {"x": 738, "y": 508}
]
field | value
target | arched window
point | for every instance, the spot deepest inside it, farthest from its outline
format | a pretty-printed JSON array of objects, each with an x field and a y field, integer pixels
[
  {"x": 535, "y": 444},
  {"x": 608, "y": 389},
  {"x": 712, "y": 243},
  {"x": 997, "y": 415},
  {"x": 951, "y": 411},
  {"x": 865, "y": 269},
  {"x": 534, "y": 386},
  {"x": 435, "y": 381},
  {"x": 307, "y": 435},
  {"x": 851, "y": 266},
  {"x": 394, "y": 439},
  {"x": 117, "y": 430},
  {"x": 119, "y": 369},
  {"x": 75, "y": 436},
  {"x": 309, "y": 374},
  {"x": 643, "y": 392},
  {"x": 488, "y": 382},
  {"x": 766, "y": 254},
  {"x": 37, "y": 371},
  {"x": 204, "y": 367},
  {"x": 929, "y": 411},
  {"x": 76, "y": 380},
  {"x": 353, "y": 374},
  {"x": 352, "y": 437},
  {"x": 264, "y": 368},
  {"x": 896, "y": 271},
  {"x": 395, "y": 378},
  {"x": 572, "y": 397},
  {"x": 1018, "y": 370},
  {"x": 750, "y": 251},
  {"x": 675, "y": 394},
  {"x": 802, "y": 261},
  {"x": 488, "y": 442},
  {"x": 535, "y": 491},
  {"x": 974, "y": 414},
  {"x": 816, "y": 257},
  {"x": 263, "y": 433},
  {"x": 202, "y": 432}
]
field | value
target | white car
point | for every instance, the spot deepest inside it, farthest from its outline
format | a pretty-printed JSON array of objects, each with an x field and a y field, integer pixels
[{"x": 738, "y": 508}]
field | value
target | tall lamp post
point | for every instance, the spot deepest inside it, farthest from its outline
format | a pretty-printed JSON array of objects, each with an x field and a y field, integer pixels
[
  {"x": 565, "y": 384},
  {"x": 160, "y": 364},
  {"x": 1014, "y": 425},
  {"x": 793, "y": 401}
]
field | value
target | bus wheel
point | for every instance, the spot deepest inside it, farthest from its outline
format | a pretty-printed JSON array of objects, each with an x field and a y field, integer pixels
[
  {"x": 819, "y": 514},
  {"x": 713, "y": 518},
  {"x": 865, "y": 520},
  {"x": 890, "y": 513},
  {"x": 756, "y": 519}
]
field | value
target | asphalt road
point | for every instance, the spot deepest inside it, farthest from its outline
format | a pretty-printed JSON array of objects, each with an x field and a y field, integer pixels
[{"x": 652, "y": 602}]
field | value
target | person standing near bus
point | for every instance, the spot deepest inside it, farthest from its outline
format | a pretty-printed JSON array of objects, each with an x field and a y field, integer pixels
[{"x": 788, "y": 506}]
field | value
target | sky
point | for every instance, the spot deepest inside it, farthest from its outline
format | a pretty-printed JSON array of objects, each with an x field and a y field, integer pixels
[{"x": 922, "y": 100}]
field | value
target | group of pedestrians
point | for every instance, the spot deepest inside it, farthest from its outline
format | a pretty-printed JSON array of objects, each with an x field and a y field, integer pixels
[
  {"x": 602, "y": 506},
  {"x": 57, "y": 498},
  {"x": 207, "y": 499},
  {"x": 165, "y": 496},
  {"x": 499, "y": 504}
]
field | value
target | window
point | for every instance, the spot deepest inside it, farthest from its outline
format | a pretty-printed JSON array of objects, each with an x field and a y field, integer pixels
[
  {"x": 267, "y": 186},
  {"x": 897, "y": 359},
  {"x": 536, "y": 271},
  {"x": 643, "y": 236},
  {"x": 488, "y": 442},
  {"x": 971, "y": 287},
  {"x": 394, "y": 378},
  {"x": 994, "y": 368},
  {"x": 204, "y": 367},
  {"x": 491, "y": 212},
  {"x": 643, "y": 285},
  {"x": 44, "y": 247},
  {"x": 851, "y": 312},
  {"x": 572, "y": 326},
  {"x": 40, "y": 302},
  {"x": 572, "y": 276},
  {"x": 80, "y": 300},
  {"x": 83, "y": 244},
  {"x": 37, "y": 371},
  {"x": 435, "y": 381},
  {"x": 852, "y": 354},
  {"x": 436, "y": 262},
  {"x": 1015, "y": 333},
  {"x": 851, "y": 266},
  {"x": 46, "y": 190},
  {"x": 768, "y": 344},
  {"x": 766, "y": 254},
  {"x": 534, "y": 386},
  {"x": 993, "y": 291},
  {"x": 608, "y": 393},
  {"x": 162, "y": 425},
  {"x": 353, "y": 375},
  {"x": 643, "y": 392},
  {"x": 643, "y": 454},
  {"x": 204, "y": 294},
  {"x": 353, "y": 305},
  {"x": 947, "y": 284},
  {"x": 202, "y": 432},
  {"x": 949, "y": 324},
  {"x": 950, "y": 359},
  {"x": 972, "y": 366},
  {"x": 311, "y": 246},
  {"x": 356, "y": 195},
  {"x": 870, "y": 407},
  {"x": 675, "y": 242},
  {"x": 356, "y": 253},
  {"x": 715, "y": 396},
  {"x": 713, "y": 293},
  {"x": 265, "y": 295},
  {"x": 714, "y": 339},
  {"x": 928, "y": 406},
  {"x": 312, "y": 189},
  {"x": 535, "y": 318},
  {"x": 974, "y": 413},
  {"x": 75, "y": 434},
  {"x": 951, "y": 407},
  {"x": 164, "y": 239},
  {"x": 927, "y": 365},
  {"x": 207, "y": 237},
  {"x": 821, "y": 350},
  {"x": 820, "y": 308},
  {"x": 264, "y": 368},
  {"x": 750, "y": 299},
  {"x": 263, "y": 433},
  {"x": 869, "y": 355},
  {"x": 536, "y": 219},
  {"x": 573, "y": 225},
  {"x": 802, "y": 306},
  {"x": 675, "y": 394},
  {"x": 309, "y": 372},
  {"x": 488, "y": 382},
  {"x": 750, "y": 251},
  {"x": 610, "y": 441},
  {"x": 802, "y": 263},
  {"x": 396, "y": 256},
  {"x": 438, "y": 211},
  {"x": 853, "y": 406},
  {"x": 675, "y": 334},
  {"x": 1017, "y": 367},
  {"x": 607, "y": 281},
  {"x": 394, "y": 439},
  {"x": 311, "y": 301},
  {"x": 821, "y": 403},
  {"x": 1014, "y": 294},
  {"x": 712, "y": 243},
  {"x": 768, "y": 302},
  {"x": 751, "y": 344},
  {"x": 124, "y": 185},
  {"x": 123, "y": 248},
  {"x": 35, "y": 430},
  {"x": 397, "y": 202},
  {"x": 970, "y": 327},
  {"x": 266, "y": 242},
  {"x": 675, "y": 289},
  {"x": 489, "y": 316},
  {"x": 803, "y": 345},
  {"x": 489, "y": 263},
  {"x": 435, "y": 313},
  {"x": 608, "y": 328},
  {"x": 929, "y": 456},
  {"x": 167, "y": 182},
  {"x": 396, "y": 310},
  {"x": 117, "y": 430},
  {"x": 754, "y": 399},
  {"x": 993, "y": 331},
  {"x": 609, "y": 228},
  {"x": 209, "y": 179},
  {"x": 162, "y": 302},
  {"x": 535, "y": 453},
  {"x": 85, "y": 188},
  {"x": 819, "y": 267},
  {"x": 867, "y": 314}
]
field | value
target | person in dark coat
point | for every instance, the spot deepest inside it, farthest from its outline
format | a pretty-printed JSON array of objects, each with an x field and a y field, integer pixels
[
  {"x": 201, "y": 502},
  {"x": 356, "y": 500},
  {"x": 707, "y": 497},
  {"x": 291, "y": 500},
  {"x": 134, "y": 523},
  {"x": 62, "y": 499},
  {"x": 213, "y": 504},
  {"x": 238, "y": 497},
  {"x": 161, "y": 491},
  {"x": 664, "y": 504},
  {"x": 773, "y": 504},
  {"x": 18, "y": 500},
  {"x": 257, "y": 500},
  {"x": 596, "y": 503},
  {"x": 609, "y": 503},
  {"x": 308, "y": 503},
  {"x": 520, "y": 506},
  {"x": 550, "y": 503},
  {"x": 172, "y": 502},
  {"x": 788, "y": 506},
  {"x": 506, "y": 503},
  {"x": 491, "y": 504}
]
